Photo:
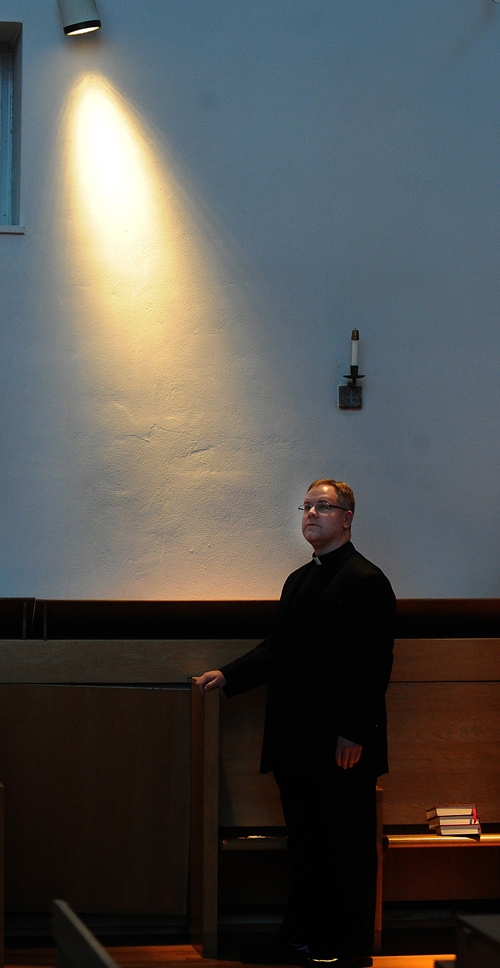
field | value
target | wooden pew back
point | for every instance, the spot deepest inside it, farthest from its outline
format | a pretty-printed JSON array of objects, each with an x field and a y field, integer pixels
[{"x": 444, "y": 722}]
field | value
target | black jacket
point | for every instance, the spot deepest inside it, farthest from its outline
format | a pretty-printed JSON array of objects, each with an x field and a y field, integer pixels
[{"x": 328, "y": 664}]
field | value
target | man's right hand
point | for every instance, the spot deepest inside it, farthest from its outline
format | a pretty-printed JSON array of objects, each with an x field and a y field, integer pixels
[{"x": 210, "y": 680}]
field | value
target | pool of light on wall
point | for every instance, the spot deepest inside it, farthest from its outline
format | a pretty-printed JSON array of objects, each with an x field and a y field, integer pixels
[
  {"x": 113, "y": 177},
  {"x": 124, "y": 209},
  {"x": 146, "y": 286},
  {"x": 158, "y": 389}
]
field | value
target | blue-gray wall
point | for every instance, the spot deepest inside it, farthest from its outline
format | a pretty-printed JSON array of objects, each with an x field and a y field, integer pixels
[{"x": 215, "y": 192}]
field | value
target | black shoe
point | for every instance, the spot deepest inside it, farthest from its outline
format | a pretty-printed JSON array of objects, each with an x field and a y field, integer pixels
[{"x": 278, "y": 951}]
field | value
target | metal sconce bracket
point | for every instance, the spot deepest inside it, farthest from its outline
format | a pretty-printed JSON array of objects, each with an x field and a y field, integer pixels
[{"x": 351, "y": 396}]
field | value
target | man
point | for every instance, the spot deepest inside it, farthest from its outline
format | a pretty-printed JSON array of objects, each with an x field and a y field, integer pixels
[{"x": 328, "y": 664}]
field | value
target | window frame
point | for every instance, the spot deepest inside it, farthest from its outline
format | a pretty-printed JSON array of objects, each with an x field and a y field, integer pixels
[{"x": 10, "y": 126}]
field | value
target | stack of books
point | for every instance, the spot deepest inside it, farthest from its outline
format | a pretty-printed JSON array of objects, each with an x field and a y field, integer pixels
[{"x": 455, "y": 821}]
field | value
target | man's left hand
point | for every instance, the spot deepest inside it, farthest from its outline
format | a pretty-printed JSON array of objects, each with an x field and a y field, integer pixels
[{"x": 347, "y": 753}]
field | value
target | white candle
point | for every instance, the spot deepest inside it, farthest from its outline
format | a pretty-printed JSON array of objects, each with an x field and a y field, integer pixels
[{"x": 354, "y": 347}]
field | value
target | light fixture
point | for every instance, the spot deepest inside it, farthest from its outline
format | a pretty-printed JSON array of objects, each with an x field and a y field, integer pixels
[
  {"x": 79, "y": 16},
  {"x": 351, "y": 396}
]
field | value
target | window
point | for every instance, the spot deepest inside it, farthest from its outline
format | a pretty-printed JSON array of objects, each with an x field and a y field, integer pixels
[{"x": 10, "y": 91}]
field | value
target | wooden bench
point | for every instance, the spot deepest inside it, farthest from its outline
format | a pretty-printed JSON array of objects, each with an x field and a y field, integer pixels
[{"x": 205, "y": 830}]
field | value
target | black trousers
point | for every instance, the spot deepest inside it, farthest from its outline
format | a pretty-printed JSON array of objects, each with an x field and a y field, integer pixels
[{"x": 331, "y": 822}]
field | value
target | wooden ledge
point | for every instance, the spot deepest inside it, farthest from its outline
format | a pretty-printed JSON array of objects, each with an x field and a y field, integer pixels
[{"x": 435, "y": 840}]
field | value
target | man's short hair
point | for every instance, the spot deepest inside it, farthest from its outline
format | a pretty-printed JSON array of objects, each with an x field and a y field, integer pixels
[{"x": 344, "y": 493}]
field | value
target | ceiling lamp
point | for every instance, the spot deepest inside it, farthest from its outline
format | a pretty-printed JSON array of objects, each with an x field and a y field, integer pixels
[{"x": 79, "y": 16}]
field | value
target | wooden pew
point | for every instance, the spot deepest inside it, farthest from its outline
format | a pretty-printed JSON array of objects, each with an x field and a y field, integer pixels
[
  {"x": 103, "y": 770},
  {"x": 444, "y": 722},
  {"x": 208, "y": 806},
  {"x": 76, "y": 946}
]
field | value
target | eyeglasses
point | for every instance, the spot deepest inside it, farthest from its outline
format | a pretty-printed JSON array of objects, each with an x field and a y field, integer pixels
[{"x": 322, "y": 507}]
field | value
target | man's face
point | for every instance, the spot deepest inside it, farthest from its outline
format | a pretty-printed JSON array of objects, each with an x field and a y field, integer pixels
[{"x": 325, "y": 531}]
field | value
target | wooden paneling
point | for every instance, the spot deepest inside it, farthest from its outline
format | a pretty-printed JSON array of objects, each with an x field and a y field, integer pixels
[
  {"x": 247, "y": 798},
  {"x": 105, "y": 619},
  {"x": 447, "y": 617},
  {"x": 443, "y": 737},
  {"x": 443, "y": 747},
  {"x": 97, "y": 779},
  {"x": 446, "y": 660},
  {"x": 443, "y": 707},
  {"x": 451, "y": 874},
  {"x": 97, "y": 797},
  {"x": 115, "y": 660}
]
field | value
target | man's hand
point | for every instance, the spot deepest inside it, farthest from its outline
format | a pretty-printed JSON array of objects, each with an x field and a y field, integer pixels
[
  {"x": 210, "y": 680},
  {"x": 347, "y": 753}
]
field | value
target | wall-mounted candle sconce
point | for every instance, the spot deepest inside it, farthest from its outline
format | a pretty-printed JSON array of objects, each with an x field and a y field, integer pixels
[
  {"x": 79, "y": 16},
  {"x": 351, "y": 396}
]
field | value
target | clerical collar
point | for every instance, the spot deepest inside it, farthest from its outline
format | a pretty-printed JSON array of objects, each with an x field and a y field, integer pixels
[{"x": 332, "y": 557}]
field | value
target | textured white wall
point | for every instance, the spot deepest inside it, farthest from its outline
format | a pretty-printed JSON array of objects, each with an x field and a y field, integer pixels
[{"x": 215, "y": 193}]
